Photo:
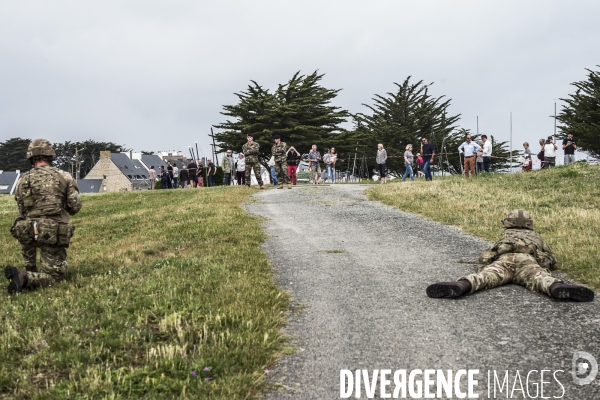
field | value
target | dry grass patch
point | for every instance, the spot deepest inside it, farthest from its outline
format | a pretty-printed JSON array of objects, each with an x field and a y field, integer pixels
[
  {"x": 564, "y": 202},
  {"x": 167, "y": 296}
]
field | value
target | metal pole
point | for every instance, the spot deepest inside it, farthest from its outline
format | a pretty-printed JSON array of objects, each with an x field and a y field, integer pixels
[
  {"x": 554, "y": 120},
  {"x": 511, "y": 147},
  {"x": 478, "y": 125},
  {"x": 354, "y": 165},
  {"x": 214, "y": 145}
]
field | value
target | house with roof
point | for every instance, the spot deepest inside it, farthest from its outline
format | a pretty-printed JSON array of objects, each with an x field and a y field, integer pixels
[
  {"x": 119, "y": 173},
  {"x": 89, "y": 185},
  {"x": 8, "y": 181}
]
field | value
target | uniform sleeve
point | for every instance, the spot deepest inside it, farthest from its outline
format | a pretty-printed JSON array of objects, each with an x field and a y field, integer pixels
[
  {"x": 19, "y": 199},
  {"x": 73, "y": 199},
  {"x": 545, "y": 257}
]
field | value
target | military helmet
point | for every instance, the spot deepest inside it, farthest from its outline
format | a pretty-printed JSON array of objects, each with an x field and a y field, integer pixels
[
  {"x": 40, "y": 147},
  {"x": 519, "y": 219}
]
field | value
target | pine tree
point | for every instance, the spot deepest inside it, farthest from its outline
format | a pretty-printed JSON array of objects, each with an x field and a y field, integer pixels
[
  {"x": 581, "y": 115},
  {"x": 13, "y": 153}
]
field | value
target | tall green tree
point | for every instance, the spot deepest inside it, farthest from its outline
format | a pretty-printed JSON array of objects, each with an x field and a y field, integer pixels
[
  {"x": 581, "y": 114},
  {"x": 299, "y": 110},
  {"x": 87, "y": 151},
  {"x": 13, "y": 153},
  {"x": 404, "y": 117}
]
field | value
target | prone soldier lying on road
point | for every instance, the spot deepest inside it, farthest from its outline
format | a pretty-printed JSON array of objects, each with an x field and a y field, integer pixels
[{"x": 521, "y": 257}]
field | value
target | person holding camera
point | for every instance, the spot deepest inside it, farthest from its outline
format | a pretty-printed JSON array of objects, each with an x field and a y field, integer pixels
[
  {"x": 550, "y": 153},
  {"x": 569, "y": 145}
]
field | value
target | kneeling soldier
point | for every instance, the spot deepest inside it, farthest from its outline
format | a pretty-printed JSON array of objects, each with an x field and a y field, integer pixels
[
  {"x": 521, "y": 257},
  {"x": 45, "y": 196}
]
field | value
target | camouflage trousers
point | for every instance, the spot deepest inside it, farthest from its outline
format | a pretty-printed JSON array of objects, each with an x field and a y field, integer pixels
[
  {"x": 53, "y": 265},
  {"x": 256, "y": 168},
  {"x": 281, "y": 170},
  {"x": 518, "y": 268}
]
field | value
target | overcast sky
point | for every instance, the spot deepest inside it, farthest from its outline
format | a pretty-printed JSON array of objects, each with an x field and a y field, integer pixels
[{"x": 153, "y": 75}]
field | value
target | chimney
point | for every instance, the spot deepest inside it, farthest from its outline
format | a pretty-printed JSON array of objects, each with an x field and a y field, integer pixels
[{"x": 104, "y": 154}]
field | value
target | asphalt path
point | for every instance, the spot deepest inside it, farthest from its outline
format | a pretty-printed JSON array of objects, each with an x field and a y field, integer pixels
[{"x": 357, "y": 272}]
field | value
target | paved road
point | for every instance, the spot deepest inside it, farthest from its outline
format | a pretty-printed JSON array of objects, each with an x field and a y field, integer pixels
[{"x": 357, "y": 271}]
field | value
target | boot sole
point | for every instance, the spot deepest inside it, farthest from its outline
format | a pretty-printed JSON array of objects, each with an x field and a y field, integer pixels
[
  {"x": 438, "y": 291},
  {"x": 580, "y": 293},
  {"x": 12, "y": 275}
]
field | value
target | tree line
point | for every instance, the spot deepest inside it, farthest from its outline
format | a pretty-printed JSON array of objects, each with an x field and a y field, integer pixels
[{"x": 302, "y": 112}]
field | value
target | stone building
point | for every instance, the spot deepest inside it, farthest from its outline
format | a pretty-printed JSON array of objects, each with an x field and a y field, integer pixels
[{"x": 119, "y": 173}]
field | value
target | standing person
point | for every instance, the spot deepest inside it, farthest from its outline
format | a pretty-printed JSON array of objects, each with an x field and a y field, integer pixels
[
  {"x": 292, "y": 162},
  {"x": 175, "y": 176},
  {"x": 550, "y": 153},
  {"x": 170, "y": 175},
  {"x": 428, "y": 152},
  {"x": 527, "y": 163},
  {"x": 332, "y": 165},
  {"x": 192, "y": 170},
  {"x": 328, "y": 161},
  {"x": 45, "y": 197},
  {"x": 419, "y": 165},
  {"x": 569, "y": 145},
  {"x": 241, "y": 169},
  {"x": 408, "y": 160},
  {"x": 228, "y": 168},
  {"x": 520, "y": 256},
  {"x": 271, "y": 165},
  {"x": 211, "y": 172},
  {"x": 314, "y": 157},
  {"x": 183, "y": 176},
  {"x": 152, "y": 174},
  {"x": 279, "y": 152},
  {"x": 468, "y": 149},
  {"x": 479, "y": 159},
  {"x": 380, "y": 159},
  {"x": 251, "y": 150},
  {"x": 487, "y": 153},
  {"x": 540, "y": 155},
  {"x": 200, "y": 174},
  {"x": 164, "y": 178}
]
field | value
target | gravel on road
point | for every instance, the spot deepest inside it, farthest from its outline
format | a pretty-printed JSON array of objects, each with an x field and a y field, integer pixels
[{"x": 357, "y": 271}]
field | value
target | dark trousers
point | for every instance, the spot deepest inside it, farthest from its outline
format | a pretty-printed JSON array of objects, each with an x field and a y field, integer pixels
[
  {"x": 486, "y": 163},
  {"x": 241, "y": 177},
  {"x": 164, "y": 183},
  {"x": 227, "y": 179},
  {"x": 210, "y": 181}
]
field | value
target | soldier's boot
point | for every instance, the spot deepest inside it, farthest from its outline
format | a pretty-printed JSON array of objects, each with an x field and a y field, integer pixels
[
  {"x": 448, "y": 289},
  {"x": 560, "y": 290},
  {"x": 280, "y": 186},
  {"x": 17, "y": 279},
  {"x": 262, "y": 187},
  {"x": 289, "y": 185},
  {"x": 31, "y": 268}
]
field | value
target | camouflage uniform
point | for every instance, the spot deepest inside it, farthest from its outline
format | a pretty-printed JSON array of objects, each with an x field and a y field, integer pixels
[
  {"x": 45, "y": 196},
  {"x": 279, "y": 153},
  {"x": 521, "y": 257},
  {"x": 251, "y": 151}
]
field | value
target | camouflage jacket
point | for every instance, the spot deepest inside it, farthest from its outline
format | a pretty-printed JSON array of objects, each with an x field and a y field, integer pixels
[
  {"x": 279, "y": 152},
  {"x": 47, "y": 192},
  {"x": 251, "y": 151},
  {"x": 520, "y": 241}
]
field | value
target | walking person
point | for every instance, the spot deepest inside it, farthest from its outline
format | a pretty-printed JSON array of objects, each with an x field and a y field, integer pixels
[
  {"x": 328, "y": 160},
  {"x": 527, "y": 161},
  {"x": 192, "y": 170},
  {"x": 333, "y": 161},
  {"x": 550, "y": 153},
  {"x": 292, "y": 162},
  {"x": 183, "y": 177},
  {"x": 419, "y": 165},
  {"x": 210, "y": 174},
  {"x": 487, "y": 153},
  {"x": 251, "y": 150},
  {"x": 314, "y": 157},
  {"x": 428, "y": 152},
  {"x": 408, "y": 160},
  {"x": 468, "y": 149},
  {"x": 170, "y": 175},
  {"x": 479, "y": 160},
  {"x": 271, "y": 165},
  {"x": 279, "y": 152},
  {"x": 175, "y": 177},
  {"x": 152, "y": 174},
  {"x": 200, "y": 174},
  {"x": 569, "y": 145},
  {"x": 228, "y": 168},
  {"x": 380, "y": 159},
  {"x": 240, "y": 168}
]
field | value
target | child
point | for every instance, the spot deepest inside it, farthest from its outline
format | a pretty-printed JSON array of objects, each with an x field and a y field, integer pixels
[{"x": 419, "y": 165}]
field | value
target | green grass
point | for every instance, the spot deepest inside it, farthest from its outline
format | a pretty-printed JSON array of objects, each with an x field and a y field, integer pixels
[
  {"x": 160, "y": 284},
  {"x": 564, "y": 202}
]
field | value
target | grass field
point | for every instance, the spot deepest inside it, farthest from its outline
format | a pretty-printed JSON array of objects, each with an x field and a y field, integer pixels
[
  {"x": 167, "y": 296},
  {"x": 564, "y": 202}
]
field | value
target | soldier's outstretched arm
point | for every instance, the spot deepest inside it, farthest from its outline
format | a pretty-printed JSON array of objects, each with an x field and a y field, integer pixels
[{"x": 73, "y": 199}]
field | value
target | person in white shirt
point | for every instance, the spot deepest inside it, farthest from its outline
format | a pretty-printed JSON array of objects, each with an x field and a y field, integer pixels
[
  {"x": 550, "y": 153},
  {"x": 487, "y": 153},
  {"x": 241, "y": 169},
  {"x": 469, "y": 150}
]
